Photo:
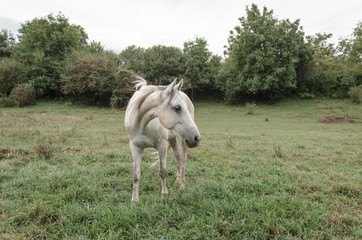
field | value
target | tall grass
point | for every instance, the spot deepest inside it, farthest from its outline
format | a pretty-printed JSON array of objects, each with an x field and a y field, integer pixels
[{"x": 290, "y": 177}]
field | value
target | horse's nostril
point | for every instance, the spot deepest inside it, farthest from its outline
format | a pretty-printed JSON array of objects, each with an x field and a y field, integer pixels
[{"x": 197, "y": 139}]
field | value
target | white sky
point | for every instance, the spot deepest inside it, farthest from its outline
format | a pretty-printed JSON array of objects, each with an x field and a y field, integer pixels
[{"x": 121, "y": 23}]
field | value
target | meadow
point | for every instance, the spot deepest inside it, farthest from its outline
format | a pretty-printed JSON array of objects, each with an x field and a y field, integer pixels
[{"x": 278, "y": 173}]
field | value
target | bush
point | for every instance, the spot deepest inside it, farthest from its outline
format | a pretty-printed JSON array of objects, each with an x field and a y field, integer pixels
[
  {"x": 23, "y": 95},
  {"x": 331, "y": 73},
  {"x": 306, "y": 95},
  {"x": 8, "y": 102},
  {"x": 331, "y": 77},
  {"x": 96, "y": 78},
  {"x": 11, "y": 74},
  {"x": 355, "y": 93},
  {"x": 45, "y": 147},
  {"x": 250, "y": 108}
]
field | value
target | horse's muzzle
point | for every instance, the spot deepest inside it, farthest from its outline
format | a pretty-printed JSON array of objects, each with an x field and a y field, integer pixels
[{"x": 194, "y": 142}]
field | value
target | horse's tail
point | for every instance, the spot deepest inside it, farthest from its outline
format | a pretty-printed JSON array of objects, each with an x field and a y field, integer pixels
[{"x": 139, "y": 83}]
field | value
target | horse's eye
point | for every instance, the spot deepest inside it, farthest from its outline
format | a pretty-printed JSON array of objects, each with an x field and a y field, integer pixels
[{"x": 177, "y": 108}]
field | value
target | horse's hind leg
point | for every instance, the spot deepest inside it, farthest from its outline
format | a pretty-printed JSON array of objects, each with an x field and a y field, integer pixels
[
  {"x": 180, "y": 163},
  {"x": 137, "y": 157},
  {"x": 162, "y": 153}
]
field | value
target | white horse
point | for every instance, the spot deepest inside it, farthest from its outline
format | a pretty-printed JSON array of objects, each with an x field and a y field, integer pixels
[{"x": 155, "y": 115}]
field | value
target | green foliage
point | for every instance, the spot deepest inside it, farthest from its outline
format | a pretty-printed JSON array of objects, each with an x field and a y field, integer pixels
[
  {"x": 158, "y": 64},
  {"x": 355, "y": 93},
  {"x": 7, "y": 42},
  {"x": 266, "y": 54},
  {"x": 133, "y": 58},
  {"x": 8, "y": 102},
  {"x": 162, "y": 64},
  {"x": 43, "y": 44},
  {"x": 351, "y": 48},
  {"x": 329, "y": 73},
  {"x": 95, "y": 47},
  {"x": 266, "y": 59},
  {"x": 196, "y": 63},
  {"x": 11, "y": 73},
  {"x": 96, "y": 78},
  {"x": 21, "y": 95},
  {"x": 201, "y": 69}
]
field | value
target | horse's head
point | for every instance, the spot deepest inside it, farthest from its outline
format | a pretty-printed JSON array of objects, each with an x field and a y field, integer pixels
[{"x": 174, "y": 114}]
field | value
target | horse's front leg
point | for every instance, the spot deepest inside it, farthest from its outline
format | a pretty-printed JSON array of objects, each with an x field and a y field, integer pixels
[
  {"x": 184, "y": 150},
  {"x": 180, "y": 159},
  {"x": 137, "y": 158},
  {"x": 162, "y": 154}
]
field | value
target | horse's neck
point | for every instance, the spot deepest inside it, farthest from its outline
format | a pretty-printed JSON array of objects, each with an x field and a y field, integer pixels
[{"x": 148, "y": 110}]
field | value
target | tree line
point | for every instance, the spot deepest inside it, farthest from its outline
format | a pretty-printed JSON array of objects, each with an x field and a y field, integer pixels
[{"x": 266, "y": 59}]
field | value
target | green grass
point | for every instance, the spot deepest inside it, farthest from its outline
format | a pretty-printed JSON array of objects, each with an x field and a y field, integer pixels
[{"x": 66, "y": 173}]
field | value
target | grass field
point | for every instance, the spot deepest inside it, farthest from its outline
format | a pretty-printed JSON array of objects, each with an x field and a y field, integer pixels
[{"x": 66, "y": 173}]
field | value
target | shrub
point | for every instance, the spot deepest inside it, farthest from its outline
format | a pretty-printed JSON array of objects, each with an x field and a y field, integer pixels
[
  {"x": 118, "y": 99},
  {"x": 23, "y": 95},
  {"x": 278, "y": 152},
  {"x": 8, "y": 102},
  {"x": 306, "y": 95},
  {"x": 96, "y": 78},
  {"x": 45, "y": 147},
  {"x": 11, "y": 74},
  {"x": 250, "y": 108},
  {"x": 355, "y": 93},
  {"x": 331, "y": 73}
]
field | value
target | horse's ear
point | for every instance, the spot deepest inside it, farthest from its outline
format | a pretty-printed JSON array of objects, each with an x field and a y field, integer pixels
[
  {"x": 179, "y": 85},
  {"x": 170, "y": 88}
]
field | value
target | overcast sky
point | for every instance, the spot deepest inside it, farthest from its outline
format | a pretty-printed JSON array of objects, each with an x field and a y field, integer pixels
[{"x": 121, "y": 23}]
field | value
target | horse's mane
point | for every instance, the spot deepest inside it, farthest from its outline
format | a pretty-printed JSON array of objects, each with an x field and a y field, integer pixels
[
  {"x": 143, "y": 91},
  {"x": 139, "y": 83}
]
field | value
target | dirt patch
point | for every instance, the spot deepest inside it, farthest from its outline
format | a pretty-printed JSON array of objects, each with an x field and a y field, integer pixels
[
  {"x": 4, "y": 151},
  {"x": 333, "y": 119},
  {"x": 10, "y": 153}
]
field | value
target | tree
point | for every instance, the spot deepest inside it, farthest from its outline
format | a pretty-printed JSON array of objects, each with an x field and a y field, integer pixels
[
  {"x": 95, "y": 47},
  {"x": 200, "y": 67},
  {"x": 158, "y": 64},
  {"x": 7, "y": 42},
  {"x": 265, "y": 53},
  {"x": 351, "y": 48},
  {"x": 322, "y": 70},
  {"x": 133, "y": 58},
  {"x": 163, "y": 64},
  {"x": 11, "y": 74},
  {"x": 96, "y": 77},
  {"x": 333, "y": 70},
  {"x": 43, "y": 44}
]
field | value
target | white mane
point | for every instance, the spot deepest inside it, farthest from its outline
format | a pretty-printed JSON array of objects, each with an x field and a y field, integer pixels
[
  {"x": 140, "y": 82},
  {"x": 143, "y": 91}
]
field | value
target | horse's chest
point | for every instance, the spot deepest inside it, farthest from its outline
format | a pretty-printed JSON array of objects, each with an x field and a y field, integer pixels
[{"x": 151, "y": 135}]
